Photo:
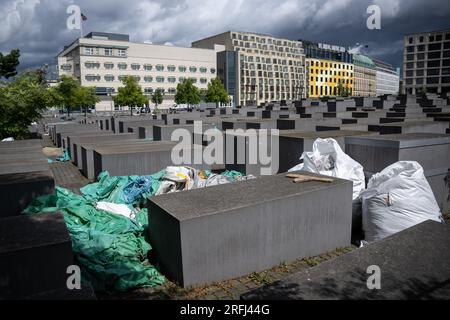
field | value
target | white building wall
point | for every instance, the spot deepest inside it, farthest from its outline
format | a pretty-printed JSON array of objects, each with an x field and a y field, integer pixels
[{"x": 91, "y": 69}]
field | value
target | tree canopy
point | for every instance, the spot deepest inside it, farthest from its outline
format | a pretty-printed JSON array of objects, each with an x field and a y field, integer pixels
[
  {"x": 187, "y": 93},
  {"x": 9, "y": 63},
  {"x": 131, "y": 94},
  {"x": 21, "y": 103},
  {"x": 216, "y": 92},
  {"x": 69, "y": 94},
  {"x": 157, "y": 97}
]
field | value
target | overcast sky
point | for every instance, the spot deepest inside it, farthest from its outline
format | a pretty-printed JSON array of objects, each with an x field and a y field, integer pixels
[{"x": 38, "y": 27}]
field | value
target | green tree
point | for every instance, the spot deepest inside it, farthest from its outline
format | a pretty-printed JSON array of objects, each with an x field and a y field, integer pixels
[
  {"x": 157, "y": 98},
  {"x": 9, "y": 63},
  {"x": 21, "y": 103},
  {"x": 131, "y": 94},
  {"x": 340, "y": 89},
  {"x": 85, "y": 97},
  {"x": 187, "y": 93},
  {"x": 69, "y": 94},
  {"x": 216, "y": 92}
]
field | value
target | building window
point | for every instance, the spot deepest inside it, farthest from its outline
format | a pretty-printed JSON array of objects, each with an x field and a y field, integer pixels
[
  {"x": 89, "y": 51},
  {"x": 159, "y": 79},
  {"x": 159, "y": 67},
  {"x": 91, "y": 77},
  {"x": 148, "y": 67},
  {"x": 192, "y": 69},
  {"x": 122, "y": 66},
  {"x": 182, "y": 68},
  {"x": 171, "y": 68},
  {"x": 66, "y": 67},
  {"x": 137, "y": 78},
  {"x": 171, "y": 79},
  {"x": 203, "y": 80},
  {"x": 122, "y": 53},
  {"x": 203, "y": 70},
  {"x": 172, "y": 90},
  {"x": 108, "y": 65},
  {"x": 213, "y": 70},
  {"x": 109, "y": 78},
  {"x": 92, "y": 65},
  {"x": 194, "y": 80},
  {"x": 148, "y": 90},
  {"x": 135, "y": 66},
  {"x": 410, "y": 40},
  {"x": 148, "y": 79},
  {"x": 181, "y": 79},
  {"x": 108, "y": 52}
]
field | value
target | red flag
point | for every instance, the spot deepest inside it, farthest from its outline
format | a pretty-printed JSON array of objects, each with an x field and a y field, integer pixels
[{"x": 83, "y": 17}]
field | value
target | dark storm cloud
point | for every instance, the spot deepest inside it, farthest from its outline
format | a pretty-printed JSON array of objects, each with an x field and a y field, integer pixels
[{"x": 38, "y": 27}]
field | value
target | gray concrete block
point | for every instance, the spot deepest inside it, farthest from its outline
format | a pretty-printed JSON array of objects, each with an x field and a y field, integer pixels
[
  {"x": 35, "y": 251},
  {"x": 294, "y": 143},
  {"x": 248, "y": 227},
  {"x": 17, "y": 190},
  {"x": 431, "y": 151},
  {"x": 77, "y": 142},
  {"x": 413, "y": 265},
  {"x": 141, "y": 160},
  {"x": 86, "y": 164}
]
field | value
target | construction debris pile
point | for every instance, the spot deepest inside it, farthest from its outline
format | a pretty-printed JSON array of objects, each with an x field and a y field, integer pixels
[{"x": 107, "y": 222}]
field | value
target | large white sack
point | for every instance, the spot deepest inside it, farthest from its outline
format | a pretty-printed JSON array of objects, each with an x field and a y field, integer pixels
[
  {"x": 397, "y": 198},
  {"x": 327, "y": 158}
]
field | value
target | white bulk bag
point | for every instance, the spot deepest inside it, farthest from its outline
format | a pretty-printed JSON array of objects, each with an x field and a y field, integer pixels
[
  {"x": 397, "y": 198},
  {"x": 327, "y": 158}
]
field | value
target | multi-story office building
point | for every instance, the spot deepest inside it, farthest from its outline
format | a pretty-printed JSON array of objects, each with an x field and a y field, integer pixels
[
  {"x": 329, "y": 70},
  {"x": 388, "y": 78},
  {"x": 257, "y": 68},
  {"x": 103, "y": 59},
  {"x": 365, "y": 76},
  {"x": 426, "y": 62}
]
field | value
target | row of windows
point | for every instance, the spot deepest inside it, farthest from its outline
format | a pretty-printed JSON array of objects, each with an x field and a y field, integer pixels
[
  {"x": 266, "y": 74},
  {"x": 430, "y": 80},
  {"x": 332, "y": 72},
  {"x": 430, "y": 55},
  {"x": 331, "y": 65},
  {"x": 159, "y": 79},
  {"x": 431, "y": 38},
  {"x": 430, "y": 72},
  {"x": 269, "y": 61},
  {"x": 264, "y": 40},
  {"x": 326, "y": 90},
  {"x": 335, "y": 80},
  {"x": 431, "y": 47},
  {"x": 105, "y": 51},
  {"x": 255, "y": 45},
  {"x": 162, "y": 90},
  {"x": 147, "y": 67},
  {"x": 432, "y": 64}
]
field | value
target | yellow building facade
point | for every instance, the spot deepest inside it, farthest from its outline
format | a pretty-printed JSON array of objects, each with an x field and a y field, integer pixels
[{"x": 324, "y": 77}]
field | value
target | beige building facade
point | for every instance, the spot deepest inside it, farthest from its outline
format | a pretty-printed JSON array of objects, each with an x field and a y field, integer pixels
[
  {"x": 103, "y": 59},
  {"x": 365, "y": 76},
  {"x": 257, "y": 68}
]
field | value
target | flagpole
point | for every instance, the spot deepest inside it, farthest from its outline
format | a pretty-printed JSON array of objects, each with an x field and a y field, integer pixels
[{"x": 81, "y": 27}]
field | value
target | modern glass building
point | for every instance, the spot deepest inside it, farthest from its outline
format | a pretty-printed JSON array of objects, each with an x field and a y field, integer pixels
[{"x": 388, "y": 79}]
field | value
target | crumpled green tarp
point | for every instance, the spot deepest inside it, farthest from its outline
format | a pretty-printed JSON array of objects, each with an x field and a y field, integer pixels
[{"x": 111, "y": 249}]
